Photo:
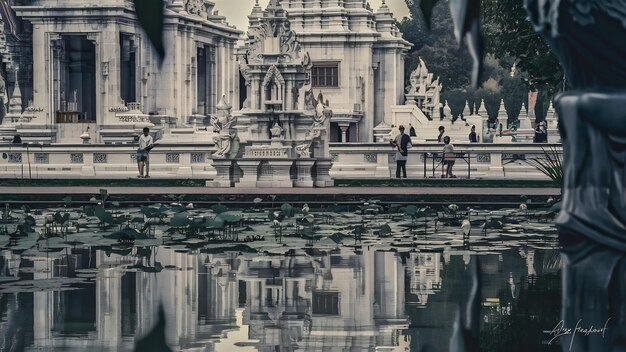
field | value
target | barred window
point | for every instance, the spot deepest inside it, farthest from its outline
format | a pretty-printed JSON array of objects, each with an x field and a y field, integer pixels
[
  {"x": 325, "y": 75},
  {"x": 326, "y": 303}
]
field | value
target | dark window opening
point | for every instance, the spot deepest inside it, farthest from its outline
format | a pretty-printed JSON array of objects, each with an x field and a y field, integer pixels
[
  {"x": 326, "y": 303},
  {"x": 205, "y": 80},
  {"x": 325, "y": 75},
  {"x": 128, "y": 68},
  {"x": 75, "y": 79}
]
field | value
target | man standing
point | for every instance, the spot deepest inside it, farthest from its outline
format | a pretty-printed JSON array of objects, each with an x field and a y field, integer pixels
[
  {"x": 412, "y": 131},
  {"x": 146, "y": 143},
  {"x": 473, "y": 137},
  {"x": 402, "y": 143}
]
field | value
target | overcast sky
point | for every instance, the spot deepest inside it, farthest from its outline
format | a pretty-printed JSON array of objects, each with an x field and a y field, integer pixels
[{"x": 237, "y": 11}]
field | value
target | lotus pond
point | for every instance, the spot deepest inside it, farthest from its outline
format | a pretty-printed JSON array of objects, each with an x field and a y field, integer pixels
[{"x": 274, "y": 277}]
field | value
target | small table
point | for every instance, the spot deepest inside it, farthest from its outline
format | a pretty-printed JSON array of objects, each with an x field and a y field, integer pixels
[{"x": 463, "y": 156}]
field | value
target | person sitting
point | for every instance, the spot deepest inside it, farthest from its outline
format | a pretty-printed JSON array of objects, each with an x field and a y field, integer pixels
[
  {"x": 448, "y": 158},
  {"x": 17, "y": 139}
]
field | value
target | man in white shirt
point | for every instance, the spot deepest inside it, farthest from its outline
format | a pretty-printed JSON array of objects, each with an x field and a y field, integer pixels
[{"x": 145, "y": 145}]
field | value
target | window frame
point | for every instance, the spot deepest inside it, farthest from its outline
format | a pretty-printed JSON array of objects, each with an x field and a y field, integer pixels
[{"x": 322, "y": 72}]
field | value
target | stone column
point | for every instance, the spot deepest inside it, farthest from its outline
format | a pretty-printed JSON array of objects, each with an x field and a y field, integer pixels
[
  {"x": 496, "y": 168},
  {"x": 54, "y": 76},
  {"x": 224, "y": 176},
  {"x": 42, "y": 73},
  {"x": 184, "y": 170},
  {"x": 304, "y": 178},
  {"x": 88, "y": 169},
  {"x": 382, "y": 166},
  {"x": 250, "y": 171},
  {"x": 344, "y": 132},
  {"x": 322, "y": 173}
]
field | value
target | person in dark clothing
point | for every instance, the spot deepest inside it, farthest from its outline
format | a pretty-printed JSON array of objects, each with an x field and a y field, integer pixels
[
  {"x": 442, "y": 131},
  {"x": 402, "y": 143},
  {"x": 17, "y": 139},
  {"x": 412, "y": 131},
  {"x": 473, "y": 137}
]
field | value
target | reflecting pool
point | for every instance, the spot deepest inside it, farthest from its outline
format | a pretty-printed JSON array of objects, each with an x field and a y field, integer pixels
[{"x": 372, "y": 278}]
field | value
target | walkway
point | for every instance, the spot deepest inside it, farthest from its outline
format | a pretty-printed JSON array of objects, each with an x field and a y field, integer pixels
[{"x": 352, "y": 191}]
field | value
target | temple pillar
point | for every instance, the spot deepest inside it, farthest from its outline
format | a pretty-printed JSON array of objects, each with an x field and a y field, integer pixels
[
  {"x": 344, "y": 131},
  {"x": 42, "y": 60}
]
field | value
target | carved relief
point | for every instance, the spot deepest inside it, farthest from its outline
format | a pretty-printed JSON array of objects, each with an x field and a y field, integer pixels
[
  {"x": 196, "y": 7},
  {"x": 274, "y": 36},
  {"x": 303, "y": 150}
]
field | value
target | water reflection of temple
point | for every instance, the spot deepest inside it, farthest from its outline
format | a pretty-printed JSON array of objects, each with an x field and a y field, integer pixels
[
  {"x": 212, "y": 301},
  {"x": 424, "y": 273}
]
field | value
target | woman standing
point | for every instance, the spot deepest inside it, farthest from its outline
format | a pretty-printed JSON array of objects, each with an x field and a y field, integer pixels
[{"x": 448, "y": 158}]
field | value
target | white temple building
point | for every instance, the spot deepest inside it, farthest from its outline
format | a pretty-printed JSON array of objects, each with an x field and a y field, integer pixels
[
  {"x": 102, "y": 74},
  {"x": 357, "y": 57}
]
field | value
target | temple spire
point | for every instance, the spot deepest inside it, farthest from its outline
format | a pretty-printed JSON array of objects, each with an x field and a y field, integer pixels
[{"x": 15, "y": 104}]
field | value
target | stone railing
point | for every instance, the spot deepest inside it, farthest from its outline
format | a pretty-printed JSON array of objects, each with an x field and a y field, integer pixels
[
  {"x": 350, "y": 160},
  {"x": 104, "y": 161},
  {"x": 373, "y": 160}
]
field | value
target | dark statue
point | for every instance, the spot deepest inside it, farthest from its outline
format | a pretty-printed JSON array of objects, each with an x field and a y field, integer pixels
[{"x": 589, "y": 38}]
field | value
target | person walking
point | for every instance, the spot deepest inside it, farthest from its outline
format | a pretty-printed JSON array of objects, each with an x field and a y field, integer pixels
[
  {"x": 448, "y": 158},
  {"x": 412, "y": 131},
  {"x": 146, "y": 143},
  {"x": 473, "y": 137},
  {"x": 402, "y": 142}
]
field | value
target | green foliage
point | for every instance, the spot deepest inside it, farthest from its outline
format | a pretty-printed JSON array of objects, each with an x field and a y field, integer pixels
[
  {"x": 68, "y": 201},
  {"x": 456, "y": 99},
  {"x": 491, "y": 99},
  {"x": 104, "y": 216},
  {"x": 550, "y": 164},
  {"x": 180, "y": 220},
  {"x": 437, "y": 47},
  {"x": 218, "y": 208},
  {"x": 510, "y": 37},
  {"x": 514, "y": 94}
]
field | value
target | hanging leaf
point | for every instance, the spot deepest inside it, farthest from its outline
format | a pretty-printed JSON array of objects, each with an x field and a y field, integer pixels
[
  {"x": 427, "y": 10},
  {"x": 150, "y": 16}
]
